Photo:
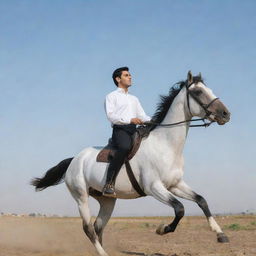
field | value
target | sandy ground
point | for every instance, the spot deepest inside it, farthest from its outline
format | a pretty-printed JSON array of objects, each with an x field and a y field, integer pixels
[{"x": 29, "y": 236}]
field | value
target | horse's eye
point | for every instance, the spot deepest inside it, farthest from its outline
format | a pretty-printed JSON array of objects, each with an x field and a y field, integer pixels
[{"x": 197, "y": 92}]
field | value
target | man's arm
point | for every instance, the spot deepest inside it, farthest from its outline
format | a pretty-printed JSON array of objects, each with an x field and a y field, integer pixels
[
  {"x": 110, "y": 110},
  {"x": 141, "y": 113}
]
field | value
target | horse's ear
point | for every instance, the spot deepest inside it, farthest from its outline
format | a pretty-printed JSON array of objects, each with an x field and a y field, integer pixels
[
  {"x": 200, "y": 75},
  {"x": 190, "y": 77}
]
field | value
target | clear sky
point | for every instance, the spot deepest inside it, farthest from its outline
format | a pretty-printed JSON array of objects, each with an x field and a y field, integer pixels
[{"x": 56, "y": 61}]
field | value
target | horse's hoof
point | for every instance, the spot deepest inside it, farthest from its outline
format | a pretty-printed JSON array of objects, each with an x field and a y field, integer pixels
[
  {"x": 160, "y": 229},
  {"x": 222, "y": 238}
]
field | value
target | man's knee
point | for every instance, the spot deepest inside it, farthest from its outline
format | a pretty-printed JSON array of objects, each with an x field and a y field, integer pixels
[{"x": 124, "y": 149}]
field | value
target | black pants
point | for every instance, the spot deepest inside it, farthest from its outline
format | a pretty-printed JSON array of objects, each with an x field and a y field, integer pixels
[{"x": 122, "y": 140}]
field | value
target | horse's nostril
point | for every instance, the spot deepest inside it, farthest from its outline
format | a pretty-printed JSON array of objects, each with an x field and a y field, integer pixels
[{"x": 225, "y": 113}]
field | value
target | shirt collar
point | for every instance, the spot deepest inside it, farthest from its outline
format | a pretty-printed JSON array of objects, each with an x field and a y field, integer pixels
[{"x": 121, "y": 90}]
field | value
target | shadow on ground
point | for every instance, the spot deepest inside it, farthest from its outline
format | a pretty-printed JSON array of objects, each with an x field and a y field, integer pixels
[{"x": 144, "y": 254}]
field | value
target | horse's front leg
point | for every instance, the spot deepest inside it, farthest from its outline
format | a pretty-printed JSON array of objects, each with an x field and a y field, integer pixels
[
  {"x": 159, "y": 192},
  {"x": 184, "y": 191}
]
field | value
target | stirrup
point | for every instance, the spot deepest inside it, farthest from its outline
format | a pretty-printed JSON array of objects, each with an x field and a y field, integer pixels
[{"x": 109, "y": 190}]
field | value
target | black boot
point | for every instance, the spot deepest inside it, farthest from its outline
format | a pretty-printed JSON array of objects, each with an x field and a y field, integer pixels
[
  {"x": 109, "y": 189},
  {"x": 113, "y": 170}
]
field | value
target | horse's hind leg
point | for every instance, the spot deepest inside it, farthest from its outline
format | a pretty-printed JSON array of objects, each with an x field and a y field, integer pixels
[
  {"x": 184, "y": 191},
  {"x": 107, "y": 205},
  {"x": 80, "y": 194},
  {"x": 159, "y": 192}
]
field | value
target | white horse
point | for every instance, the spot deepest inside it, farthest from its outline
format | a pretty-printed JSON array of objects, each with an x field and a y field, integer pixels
[{"x": 157, "y": 166}]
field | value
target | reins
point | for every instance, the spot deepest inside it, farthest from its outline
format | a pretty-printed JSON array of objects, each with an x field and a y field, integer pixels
[{"x": 206, "y": 124}]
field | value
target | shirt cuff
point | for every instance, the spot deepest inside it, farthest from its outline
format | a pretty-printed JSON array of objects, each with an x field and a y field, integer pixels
[{"x": 125, "y": 121}]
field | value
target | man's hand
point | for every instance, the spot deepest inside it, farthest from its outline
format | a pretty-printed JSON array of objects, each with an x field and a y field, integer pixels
[{"x": 136, "y": 121}]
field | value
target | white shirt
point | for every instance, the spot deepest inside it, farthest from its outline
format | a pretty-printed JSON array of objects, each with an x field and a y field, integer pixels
[{"x": 121, "y": 107}]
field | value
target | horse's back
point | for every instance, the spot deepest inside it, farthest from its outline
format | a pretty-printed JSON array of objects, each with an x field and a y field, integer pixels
[{"x": 84, "y": 168}]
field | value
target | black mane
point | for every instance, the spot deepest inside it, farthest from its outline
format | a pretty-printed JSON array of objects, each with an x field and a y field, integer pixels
[{"x": 166, "y": 101}]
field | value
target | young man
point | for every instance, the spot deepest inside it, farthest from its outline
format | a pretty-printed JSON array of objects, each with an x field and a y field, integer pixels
[{"x": 124, "y": 111}]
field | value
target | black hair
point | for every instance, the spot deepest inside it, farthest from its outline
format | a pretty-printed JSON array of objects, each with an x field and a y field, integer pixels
[{"x": 118, "y": 73}]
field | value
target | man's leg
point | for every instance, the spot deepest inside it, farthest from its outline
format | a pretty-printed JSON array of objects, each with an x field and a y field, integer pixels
[{"x": 123, "y": 143}]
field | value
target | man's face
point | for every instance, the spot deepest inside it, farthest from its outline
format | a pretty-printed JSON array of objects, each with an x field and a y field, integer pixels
[{"x": 125, "y": 80}]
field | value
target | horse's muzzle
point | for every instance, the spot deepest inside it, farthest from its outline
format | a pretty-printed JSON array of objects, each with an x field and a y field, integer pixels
[
  {"x": 220, "y": 113},
  {"x": 222, "y": 117}
]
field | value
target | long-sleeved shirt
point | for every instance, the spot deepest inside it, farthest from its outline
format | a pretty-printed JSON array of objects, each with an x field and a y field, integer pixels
[{"x": 121, "y": 107}]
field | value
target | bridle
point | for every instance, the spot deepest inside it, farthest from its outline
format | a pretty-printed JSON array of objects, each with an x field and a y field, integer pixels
[{"x": 201, "y": 104}]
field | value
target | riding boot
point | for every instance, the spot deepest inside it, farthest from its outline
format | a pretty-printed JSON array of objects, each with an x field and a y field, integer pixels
[
  {"x": 108, "y": 189},
  {"x": 113, "y": 170}
]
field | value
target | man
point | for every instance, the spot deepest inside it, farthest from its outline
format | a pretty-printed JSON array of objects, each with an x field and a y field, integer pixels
[{"x": 124, "y": 111}]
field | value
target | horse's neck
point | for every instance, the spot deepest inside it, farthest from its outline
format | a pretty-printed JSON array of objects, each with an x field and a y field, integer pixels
[{"x": 173, "y": 138}]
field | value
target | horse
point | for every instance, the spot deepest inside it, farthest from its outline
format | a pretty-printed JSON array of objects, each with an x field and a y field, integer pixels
[{"x": 157, "y": 165}]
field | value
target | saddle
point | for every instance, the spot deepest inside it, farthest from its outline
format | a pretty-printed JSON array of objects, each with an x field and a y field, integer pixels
[{"x": 107, "y": 153}]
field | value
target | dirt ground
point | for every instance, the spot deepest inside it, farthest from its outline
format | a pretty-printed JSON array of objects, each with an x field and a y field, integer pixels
[{"x": 41, "y": 236}]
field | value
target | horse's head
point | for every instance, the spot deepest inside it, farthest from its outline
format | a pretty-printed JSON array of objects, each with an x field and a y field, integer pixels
[{"x": 203, "y": 103}]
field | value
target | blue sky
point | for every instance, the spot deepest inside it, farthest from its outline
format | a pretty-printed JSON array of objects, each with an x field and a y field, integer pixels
[{"x": 56, "y": 60}]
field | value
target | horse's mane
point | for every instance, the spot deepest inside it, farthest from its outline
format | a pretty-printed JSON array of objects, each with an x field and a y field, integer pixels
[{"x": 167, "y": 100}]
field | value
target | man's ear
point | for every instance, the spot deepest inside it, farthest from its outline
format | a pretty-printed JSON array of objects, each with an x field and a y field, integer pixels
[{"x": 118, "y": 79}]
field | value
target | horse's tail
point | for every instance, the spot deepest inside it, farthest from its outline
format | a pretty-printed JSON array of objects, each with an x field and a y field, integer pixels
[{"x": 53, "y": 176}]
